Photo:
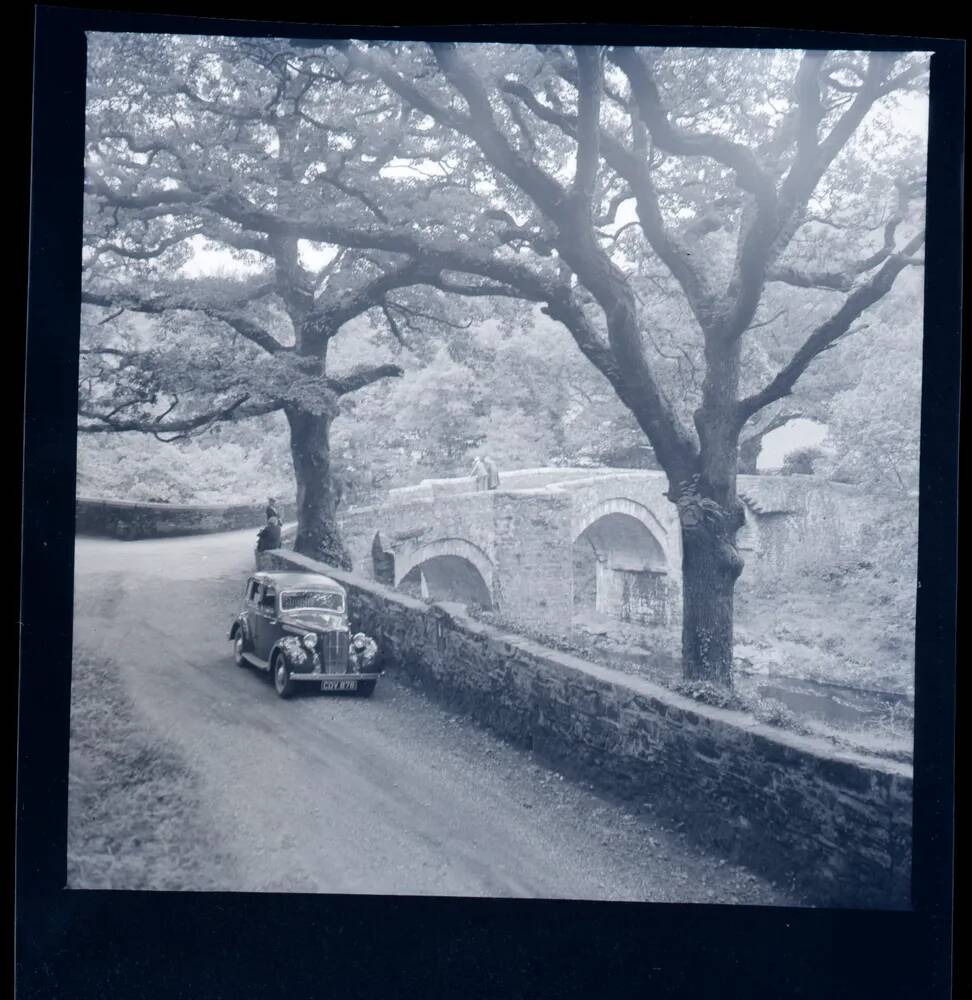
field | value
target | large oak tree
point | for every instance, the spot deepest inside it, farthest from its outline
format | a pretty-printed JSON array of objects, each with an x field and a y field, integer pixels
[{"x": 773, "y": 152}]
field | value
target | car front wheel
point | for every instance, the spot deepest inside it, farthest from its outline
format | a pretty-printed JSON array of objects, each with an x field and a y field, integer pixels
[{"x": 282, "y": 683}]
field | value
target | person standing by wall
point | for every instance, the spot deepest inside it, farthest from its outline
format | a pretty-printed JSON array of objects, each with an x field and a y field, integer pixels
[
  {"x": 272, "y": 509},
  {"x": 492, "y": 473},
  {"x": 480, "y": 473},
  {"x": 269, "y": 536}
]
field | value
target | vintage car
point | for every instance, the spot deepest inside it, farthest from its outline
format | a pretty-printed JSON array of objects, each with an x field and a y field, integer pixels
[{"x": 295, "y": 626}]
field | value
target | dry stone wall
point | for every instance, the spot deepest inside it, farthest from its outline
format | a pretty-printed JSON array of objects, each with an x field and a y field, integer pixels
[{"x": 130, "y": 520}]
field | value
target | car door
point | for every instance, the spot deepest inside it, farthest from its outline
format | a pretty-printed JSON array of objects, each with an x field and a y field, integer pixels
[
  {"x": 249, "y": 614},
  {"x": 245, "y": 615},
  {"x": 267, "y": 627},
  {"x": 255, "y": 617}
]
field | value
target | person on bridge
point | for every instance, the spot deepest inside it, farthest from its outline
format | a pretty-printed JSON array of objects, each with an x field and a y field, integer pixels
[
  {"x": 480, "y": 473},
  {"x": 492, "y": 473},
  {"x": 272, "y": 509}
]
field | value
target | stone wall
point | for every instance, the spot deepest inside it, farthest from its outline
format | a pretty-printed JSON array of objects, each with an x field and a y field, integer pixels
[
  {"x": 131, "y": 520},
  {"x": 643, "y": 596},
  {"x": 836, "y": 824}
]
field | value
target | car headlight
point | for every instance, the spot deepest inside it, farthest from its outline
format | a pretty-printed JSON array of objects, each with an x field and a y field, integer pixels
[{"x": 310, "y": 641}]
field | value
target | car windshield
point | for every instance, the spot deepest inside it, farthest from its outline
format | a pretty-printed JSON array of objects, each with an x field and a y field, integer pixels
[{"x": 292, "y": 600}]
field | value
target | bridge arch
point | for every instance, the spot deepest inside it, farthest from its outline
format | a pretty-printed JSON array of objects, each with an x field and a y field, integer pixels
[
  {"x": 448, "y": 569},
  {"x": 622, "y": 563},
  {"x": 618, "y": 512}
]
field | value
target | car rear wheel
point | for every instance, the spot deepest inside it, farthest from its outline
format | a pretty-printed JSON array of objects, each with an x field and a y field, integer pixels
[
  {"x": 239, "y": 648},
  {"x": 282, "y": 683},
  {"x": 366, "y": 688}
]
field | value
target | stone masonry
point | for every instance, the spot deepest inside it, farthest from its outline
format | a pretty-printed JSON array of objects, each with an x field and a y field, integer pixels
[
  {"x": 550, "y": 540},
  {"x": 131, "y": 520}
]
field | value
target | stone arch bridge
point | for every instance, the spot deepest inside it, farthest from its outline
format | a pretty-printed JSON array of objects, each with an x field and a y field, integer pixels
[{"x": 551, "y": 541}]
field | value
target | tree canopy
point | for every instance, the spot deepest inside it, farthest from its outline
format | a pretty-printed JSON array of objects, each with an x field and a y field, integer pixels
[{"x": 706, "y": 225}]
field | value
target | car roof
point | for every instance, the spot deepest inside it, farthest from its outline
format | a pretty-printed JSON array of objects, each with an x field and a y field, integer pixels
[{"x": 307, "y": 581}]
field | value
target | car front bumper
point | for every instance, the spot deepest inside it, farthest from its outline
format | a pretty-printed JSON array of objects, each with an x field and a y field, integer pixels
[{"x": 335, "y": 677}]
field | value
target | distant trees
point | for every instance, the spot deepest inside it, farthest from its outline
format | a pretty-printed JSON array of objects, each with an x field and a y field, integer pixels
[
  {"x": 873, "y": 424},
  {"x": 522, "y": 395},
  {"x": 233, "y": 463},
  {"x": 801, "y": 461},
  {"x": 705, "y": 224}
]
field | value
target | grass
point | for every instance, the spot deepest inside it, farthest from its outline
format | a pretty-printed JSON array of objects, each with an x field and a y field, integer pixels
[{"x": 133, "y": 802}]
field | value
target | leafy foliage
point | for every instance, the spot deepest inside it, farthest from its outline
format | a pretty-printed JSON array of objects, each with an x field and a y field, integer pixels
[
  {"x": 233, "y": 463},
  {"x": 801, "y": 461}
]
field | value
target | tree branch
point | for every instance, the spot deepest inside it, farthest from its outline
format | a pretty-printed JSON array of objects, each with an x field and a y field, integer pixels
[
  {"x": 409, "y": 312},
  {"x": 158, "y": 306},
  {"x": 740, "y": 159},
  {"x": 182, "y": 428},
  {"x": 179, "y": 195},
  {"x": 361, "y": 377},
  {"x": 396, "y": 330},
  {"x": 253, "y": 332},
  {"x": 779, "y": 420},
  {"x": 633, "y": 169},
  {"x": 588, "y": 123},
  {"x": 827, "y": 334},
  {"x": 843, "y": 280},
  {"x": 374, "y": 63},
  {"x": 146, "y": 254},
  {"x": 330, "y": 317}
]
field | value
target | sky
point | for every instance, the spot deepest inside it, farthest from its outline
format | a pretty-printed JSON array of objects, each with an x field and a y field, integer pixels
[{"x": 796, "y": 434}]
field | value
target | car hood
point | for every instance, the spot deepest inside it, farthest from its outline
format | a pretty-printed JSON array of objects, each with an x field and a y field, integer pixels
[{"x": 313, "y": 619}]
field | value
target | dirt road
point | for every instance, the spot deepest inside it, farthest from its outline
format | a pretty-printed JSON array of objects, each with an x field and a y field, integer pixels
[{"x": 336, "y": 794}]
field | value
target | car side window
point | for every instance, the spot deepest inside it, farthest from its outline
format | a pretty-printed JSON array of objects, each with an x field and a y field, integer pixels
[
  {"x": 250, "y": 593},
  {"x": 268, "y": 601}
]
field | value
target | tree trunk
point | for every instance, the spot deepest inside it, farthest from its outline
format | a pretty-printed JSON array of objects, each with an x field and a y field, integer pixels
[
  {"x": 317, "y": 531},
  {"x": 710, "y": 515},
  {"x": 710, "y": 567}
]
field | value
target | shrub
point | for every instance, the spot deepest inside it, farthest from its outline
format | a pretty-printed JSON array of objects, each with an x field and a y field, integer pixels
[
  {"x": 801, "y": 461},
  {"x": 712, "y": 694}
]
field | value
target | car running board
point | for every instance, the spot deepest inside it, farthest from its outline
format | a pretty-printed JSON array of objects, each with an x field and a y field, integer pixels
[{"x": 256, "y": 661}]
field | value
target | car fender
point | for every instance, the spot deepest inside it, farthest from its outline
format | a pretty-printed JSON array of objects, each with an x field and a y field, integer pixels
[
  {"x": 297, "y": 657},
  {"x": 239, "y": 625}
]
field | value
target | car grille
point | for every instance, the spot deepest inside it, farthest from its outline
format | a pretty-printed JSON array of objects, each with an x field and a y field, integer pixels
[{"x": 334, "y": 651}]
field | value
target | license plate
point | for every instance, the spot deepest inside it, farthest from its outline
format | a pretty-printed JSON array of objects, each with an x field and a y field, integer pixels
[{"x": 339, "y": 685}]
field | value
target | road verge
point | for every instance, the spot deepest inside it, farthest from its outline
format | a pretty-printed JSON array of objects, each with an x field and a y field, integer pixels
[{"x": 133, "y": 802}]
